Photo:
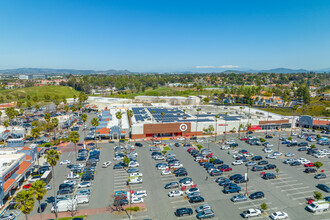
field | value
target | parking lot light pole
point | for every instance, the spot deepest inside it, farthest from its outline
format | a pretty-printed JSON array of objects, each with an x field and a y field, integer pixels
[
  {"x": 278, "y": 146},
  {"x": 246, "y": 183}
]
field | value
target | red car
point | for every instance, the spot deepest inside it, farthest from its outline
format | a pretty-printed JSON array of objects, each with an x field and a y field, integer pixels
[
  {"x": 243, "y": 151},
  {"x": 244, "y": 139},
  {"x": 27, "y": 186},
  {"x": 190, "y": 149},
  {"x": 309, "y": 165},
  {"x": 209, "y": 155}
]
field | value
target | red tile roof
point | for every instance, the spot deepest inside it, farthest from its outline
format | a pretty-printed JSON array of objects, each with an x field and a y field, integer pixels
[
  {"x": 26, "y": 148},
  {"x": 7, "y": 184},
  {"x": 103, "y": 131},
  {"x": 27, "y": 157},
  {"x": 123, "y": 132},
  {"x": 39, "y": 149},
  {"x": 23, "y": 167},
  {"x": 320, "y": 122}
]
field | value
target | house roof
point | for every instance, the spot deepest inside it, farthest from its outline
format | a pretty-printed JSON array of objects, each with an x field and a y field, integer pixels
[
  {"x": 23, "y": 167},
  {"x": 123, "y": 132},
  {"x": 7, "y": 184},
  {"x": 26, "y": 148},
  {"x": 28, "y": 157},
  {"x": 103, "y": 131},
  {"x": 39, "y": 149},
  {"x": 320, "y": 122}
]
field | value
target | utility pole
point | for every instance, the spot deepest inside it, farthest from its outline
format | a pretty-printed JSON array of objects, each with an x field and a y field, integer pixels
[
  {"x": 267, "y": 121},
  {"x": 246, "y": 183},
  {"x": 278, "y": 146}
]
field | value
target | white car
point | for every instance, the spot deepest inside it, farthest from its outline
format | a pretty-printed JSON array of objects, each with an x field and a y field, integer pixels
[
  {"x": 133, "y": 164},
  {"x": 135, "y": 180},
  {"x": 277, "y": 153},
  {"x": 180, "y": 138},
  {"x": 248, "y": 154},
  {"x": 71, "y": 182},
  {"x": 269, "y": 145},
  {"x": 237, "y": 162},
  {"x": 163, "y": 167},
  {"x": 106, "y": 164},
  {"x": 271, "y": 156},
  {"x": 159, "y": 157},
  {"x": 73, "y": 176},
  {"x": 170, "y": 155},
  {"x": 187, "y": 183},
  {"x": 48, "y": 187},
  {"x": 289, "y": 154},
  {"x": 192, "y": 190},
  {"x": 84, "y": 185},
  {"x": 140, "y": 194},
  {"x": 199, "y": 140},
  {"x": 157, "y": 142},
  {"x": 303, "y": 160},
  {"x": 232, "y": 152},
  {"x": 237, "y": 155},
  {"x": 268, "y": 150},
  {"x": 230, "y": 142},
  {"x": 225, "y": 147},
  {"x": 175, "y": 193},
  {"x": 65, "y": 162},
  {"x": 279, "y": 215},
  {"x": 166, "y": 172},
  {"x": 319, "y": 155},
  {"x": 176, "y": 166},
  {"x": 135, "y": 200},
  {"x": 135, "y": 174}
]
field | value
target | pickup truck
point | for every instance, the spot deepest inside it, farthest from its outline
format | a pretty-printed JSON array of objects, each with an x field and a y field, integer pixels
[{"x": 251, "y": 213}]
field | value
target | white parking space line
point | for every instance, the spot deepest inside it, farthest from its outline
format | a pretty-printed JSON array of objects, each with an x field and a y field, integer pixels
[
  {"x": 298, "y": 188},
  {"x": 300, "y": 193},
  {"x": 301, "y": 197},
  {"x": 178, "y": 201},
  {"x": 295, "y": 184}
]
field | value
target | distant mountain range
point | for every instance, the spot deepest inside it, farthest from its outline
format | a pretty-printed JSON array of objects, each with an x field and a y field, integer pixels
[
  {"x": 61, "y": 71},
  {"x": 119, "y": 72}
]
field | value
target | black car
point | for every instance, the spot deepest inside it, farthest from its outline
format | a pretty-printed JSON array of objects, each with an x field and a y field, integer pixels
[
  {"x": 81, "y": 158},
  {"x": 185, "y": 179},
  {"x": 292, "y": 144},
  {"x": 241, "y": 180},
  {"x": 87, "y": 178},
  {"x": 217, "y": 161},
  {"x": 183, "y": 211},
  {"x": 120, "y": 202},
  {"x": 249, "y": 132},
  {"x": 196, "y": 199},
  {"x": 323, "y": 187},
  {"x": 235, "y": 176},
  {"x": 65, "y": 185},
  {"x": 64, "y": 191},
  {"x": 182, "y": 169},
  {"x": 255, "y": 158},
  {"x": 312, "y": 151},
  {"x": 177, "y": 144},
  {"x": 303, "y": 144},
  {"x": 193, "y": 138},
  {"x": 295, "y": 163},
  {"x": 172, "y": 185},
  {"x": 320, "y": 176},
  {"x": 302, "y": 149},
  {"x": 310, "y": 170},
  {"x": 270, "y": 167},
  {"x": 257, "y": 168},
  {"x": 182, "y": 173},
  {"x": 42, "y": 207},
  {"x": 216, "y": 173},
  {"x": 263, "y": 162},
  {"x": 138, "y": 144},
  {"x": 257, "y": 195},
  {"x": 268, "y": 136},
  {"x": 269, "y": 176}
]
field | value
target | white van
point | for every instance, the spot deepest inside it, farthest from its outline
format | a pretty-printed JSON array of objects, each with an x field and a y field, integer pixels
[
  {"x": 82, "y": 199},
  {"x": 65, "y": 206},
  {"x": 318, "y": 206}
]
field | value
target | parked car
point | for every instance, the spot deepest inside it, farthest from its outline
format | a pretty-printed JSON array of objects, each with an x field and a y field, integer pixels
[
  {"x": 279, "y": 215},
  {"x": 268, "y": 176},
  {"x": 238, "y": 198},
  {"x": 323, "y": 187},
  {"x": 196, "y": 199},
  {"x": 205, "y": 214},
  {"x": 310, "y": 170},
  {"x": 183, "y": 211},
  {"x": 320, "y": 176},
  {"x": 257, "y": 195},
  {"x": 172, "y": 185}
]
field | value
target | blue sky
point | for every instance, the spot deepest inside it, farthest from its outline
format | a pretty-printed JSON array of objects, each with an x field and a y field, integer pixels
[{"x": 164, "y": 35}]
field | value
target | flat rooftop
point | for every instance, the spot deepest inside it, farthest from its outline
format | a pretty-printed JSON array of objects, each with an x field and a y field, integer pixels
[{"x": 7, "y": 158}]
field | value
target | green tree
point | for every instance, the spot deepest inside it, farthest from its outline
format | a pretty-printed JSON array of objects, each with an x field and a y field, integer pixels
[
  {"x": 318, "y": 164},
  {"x": 39, "y": 191},
  {"x": 130, "y": 115},
  {"x": 126, "y": 160},
  {"x": 277, "y": 171},
  {"x": 84, "y": 119},
  {"x": 37, "y": 106},
  {"x": 199, "y": 147},
  {"x": 95, "y": 122},
  {"x": 262, "y": 140},
  {"x": 54, "y": 125},
  {"x": 6, "y": 123},
  {"x": 52, "y": 156},
  {"x": 25, "y": 202},
  {"x": 264, "y": 206},
  {"x": 289, "y": 138},
  {"x": 312, "y": 146},
  {"x": 119, "y": 116},
  {"x": 74, "y": 138},
  {"x": 35, "y": 133},
  {"x": 212, "y": 160},
  {"x": 317, "y": 195}
]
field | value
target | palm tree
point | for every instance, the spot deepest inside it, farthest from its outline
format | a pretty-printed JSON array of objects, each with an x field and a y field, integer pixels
[
  {"x": 52, "y": 156},
  {"x": 198, "y": 110},
  {"x": 6, "y": 123},
  {"x": 39, "y": 191},
  {"x": 216, "y": 127},
  {"x": 74, "y": 138},
  {"x": 152, "y": 134},
  {"x": 25, "y": 202},
  {"x": 47, "y": 118},
  {"x": 130, "y": 114},
  {"x": 84, "y": 119},
  {"x": 95, "y": 122},
  {"x": 35, "y": 133},
  {"x": 119, "y": 116},
  {"x": 54, "y": 125},
  {"x": 226, "y": 124},
  {"x": 239, "y": 124},
  {"x": 162, "y": 114}
]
